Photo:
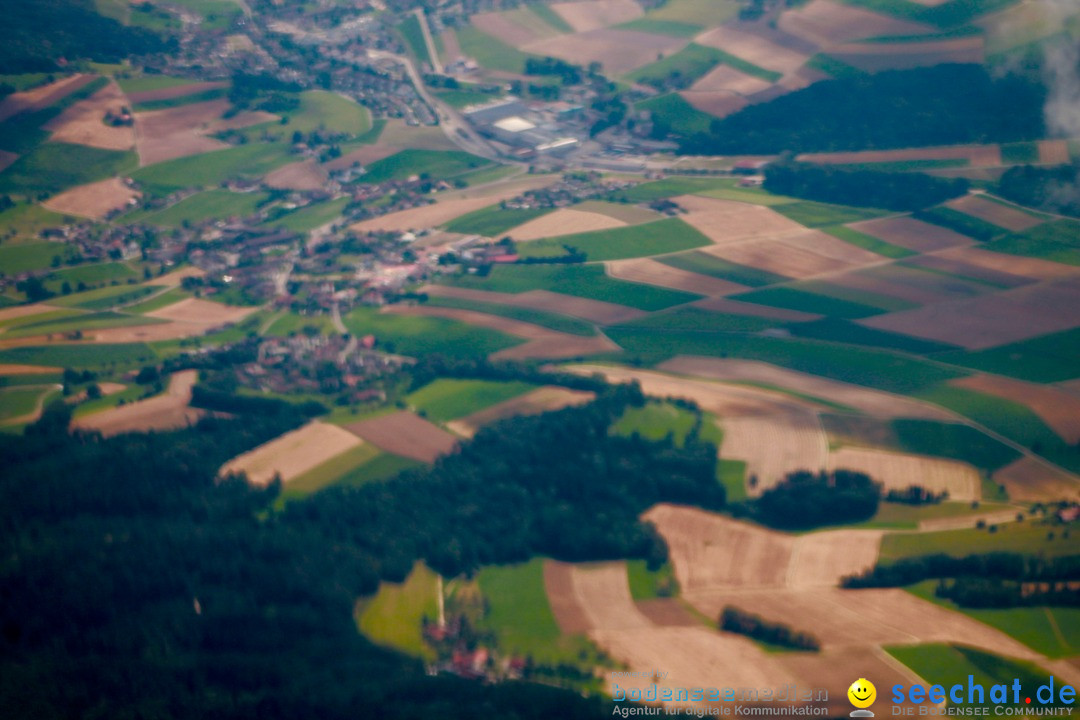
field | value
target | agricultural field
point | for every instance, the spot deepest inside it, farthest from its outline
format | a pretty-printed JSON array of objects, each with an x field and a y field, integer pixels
[
  {"x": 393, "y": 617},
  {"x": 682, "y": 68},
  {"x": 656, "y": 421},
  {"x": 293, "y": 454},
  {"x": 1029, "y": 537},
  {"x": 521, "y": 313},
  {"x": 661, "y": 237},
  {"x": 406, "y": 435},
  {"x": 330, "y": 472},
  {"x": 210, "y": 169},
  {"x": 493, "y": 221},
  {"x": 415, "y": 335},
  {"x": 448, "y": 399},
  {"x": 673, "y": 111},
  {"x": 433, "y": 163},
  {"x": 202, "y": 206}
]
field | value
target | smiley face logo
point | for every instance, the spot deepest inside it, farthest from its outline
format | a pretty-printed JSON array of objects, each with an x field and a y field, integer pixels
[{"x": 862, "y": 693}]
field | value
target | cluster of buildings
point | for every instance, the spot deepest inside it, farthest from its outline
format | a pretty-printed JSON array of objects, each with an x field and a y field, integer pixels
[{"x": 528, "y": 131}]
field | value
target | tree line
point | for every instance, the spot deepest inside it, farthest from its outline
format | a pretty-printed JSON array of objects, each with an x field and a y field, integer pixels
[
  {"x": 862, "y": 188},
  {"x": 740, "y": 621}
]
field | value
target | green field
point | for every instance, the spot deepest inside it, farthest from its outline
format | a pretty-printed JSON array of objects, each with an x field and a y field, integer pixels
[
  {"x": 158, "y": 301},
  {"x": 394, "y": 616},
  {"x": 672, "y": 186},
  {"x": 662, "y": 27},
  {"x": 440, "y": 164},
  {"x": 211, "y": 169},
  {"x": 655, "y": 238},
  {"x": 292, "y": 323},
  {"x": 1050, "y": 631},
  {"x": 629, "y": 214},
  {"x": 493, "y": 221},
  {"x": 559, "y": 323},
  {"x": 1028, "y": 537},
  {"x": 701, "y": 320},
  {"x": 1019, "y": 153},
  {"x": 106, "y": 297},
  {"x": 85, "y": 323},
  {"x": 26, "y": 221},
  {"x": 382, "y": 467},
  {"x": 216, "y": 14},
  {"x": 959, "y": 442},
  {"x": 948, "y": 15},
  {"x": 22, "y": 401},
  {"x": 887, "y": 303},
  {"x": 815, "y": 214},
  {"x": 672, "y": 112},
  {"x": 146, "y": 83},
  {"x": 329, "y": 472},
  {"x": 207, "y": 205},
  {"x": 490, "y": 52},
  {"x": 706, "y": 264},
  {"x": 680, "y": 69},
  {"x": 310, "y": 217},
  {"x": 696, "y": 12},
  {"x": 732, "y": 475},
  {"x": 749, "y": 68},
  {"x": 196, "y": 97},
  {"x": 588, "y": 281},
  {"x": 833, "y": 67},
  {"x": 1056, "y": 241},
  {"x": 648, "y": 584},
  {"x": 961, "y": 222},
  {"x": 861, "y": 366},
  {"x": 22, "y": 257},
  {"x": 550, "y": 17},
  {"x": 413, "y": 35},
  {"x": 54, "y": 166},
  {"x": 1044, "y": 359},
  {"x": 868, "y": 242},
  {"x": 92, "y": 275},
  {"x": 949, "y": 665},
  {"x": 731, "y": 190},
  {"x": 901, "y": 516},
  {"x": 449, "y": 399},
  {"x": 416, "y": 336},
  {"x": 811, "y": 302},
  {"x": 845, "y": 331},
  {"x": 87, "y": 356},
  {"x": 656, "y": 421}
]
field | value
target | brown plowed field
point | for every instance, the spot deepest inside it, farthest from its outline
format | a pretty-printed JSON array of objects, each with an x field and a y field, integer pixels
[
  {"x": 725, "y": 77},
  {"x": 753, "y": 48},
  {"x": 187, "y": 318},
  {"x": 292, "y": 454},
  {"x": 991, "y": 320},
  {"x": 405, "y": 434},
  {"x": 538, "y": 401},
  {"x": 1033, "y": 268},
  {"x": 726, "y": 221},
  {"x": 176, "y": 91},
  {"x": 796, "y": 255},
  {"x": 900, "y": 282},
  {"x": 994, "y": 212},
  {"x": 830, "y": 23},
  {"x": 83, "y": 123},
  {"x": 1054, "y": 152},
  {"x": 832, "y": 669},
  {"x": 565, "y": 221},
  {"x": 15, "y": 369},
  {"x": 720, "y": 103},
  {"x": 603, "y": 593},
  {"x": 1028, "y": 480},
  {"x": 899, "y": 471},
  {"x": 666, "y": 612},
  {"x": 774, "y": 446},
  {"x": 93, "y": 201},
  {"x": 500, "y": 26},
  {"x": 597, "y": 311},
  {"x": 866, "y": 400},
  {"x": 594, "y": 14},
  {"x": 945, "y": 263},
  {"x": 976, "y": 155},
  {"x": 874, "y": 57},
  {"x": 1059, "y": 409},
  {"x": 43, "y": 96},
  {"x": 912, "y": 234},
  {"x": 306, "y": 175},
  {"x": 559, "y": 586},
  {"x": 178, "y": 132},
  {"x": 650, "y": 272},
  {"x": 734, "y": 307},
  {"x": 619, "y": 51},
  {"x": 20, "y": 311},
  {"x": 164, "y": 412}
]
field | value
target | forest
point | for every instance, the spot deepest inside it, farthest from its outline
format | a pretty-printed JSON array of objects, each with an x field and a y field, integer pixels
[
  {"x": 862, "y": 188},
  {"x": 940, "y": 105},
  {"x": 1055, "y": 189},
  {"x": 805, "y": 500},
  {"x": 137, "y": 584},
  {"x": 37, "y": 33}
]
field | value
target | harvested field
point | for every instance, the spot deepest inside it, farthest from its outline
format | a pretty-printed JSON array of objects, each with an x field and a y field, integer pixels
[
  {"x": 912, "y": 234},
  {"x": 736, "y": 307},
  {"x": 405, "y": 434},
  {"x": 666, "y": 612},
  {"x": 872, "y": 402},
  {"x": 650, "y": 272},
  {"x": 1028, "y": 480},
  {"x": 828, "y": 23},
  {"x": 725, "y": 77},
  {"x": 84, "y": 122},
  {"x": 499, "y": 25},
  {"x": 898, "y": 471},
  {"x": 1033, "y": 268},
  {"x": 1060, "y": 409},
  {"x": 774, "y": 446},
  {"x": 20, "y": 311},
  {"x": 594, "y": 14},
  {"x": 619, "y": 51},
  {"x": 908, "y": 284},
  {"x": 565, "y": 221},
  {"x": 178, "y": 132},
  {"x": 719, "y": 103},
  {"x": 603, "y": 593},
  {"x": 292, "y": 454},
  {"x": 1054, "y": 152},
  {"x": 176, "y": 91},
  {"x": 846, "y": 618},
  {"x": 451, "y": 48},
  {"x": 559, "y": 586},
  {"x": 364, "y": 155},
  {"x": 194, "y": 310},
  {"x": 727, "y": 221},
  {"x": 833, "y": 669},
  {"x": 990, "y": 320},
  {"x": 306, "y": 175},
  {"x": 875, "y": 57},
  {"x": 754, "y": 48},
  {"x": 42, "y": 97},
  {"x": 790, "y": 255},
  {"x": 542, "y": 342},
  {"x": 976, "y": 155},
  {"x": 164, "y": 412},
  {"x": 94, "y": 201},
  {"x": 711, "y": 551},
  {"x": 14, "y": 369},
  {"x": 190, "y": 317},
  {"x": 597, "y": 311},
  {"x": 993, "y": 212},
  {"x": 538, "y": 401}
]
